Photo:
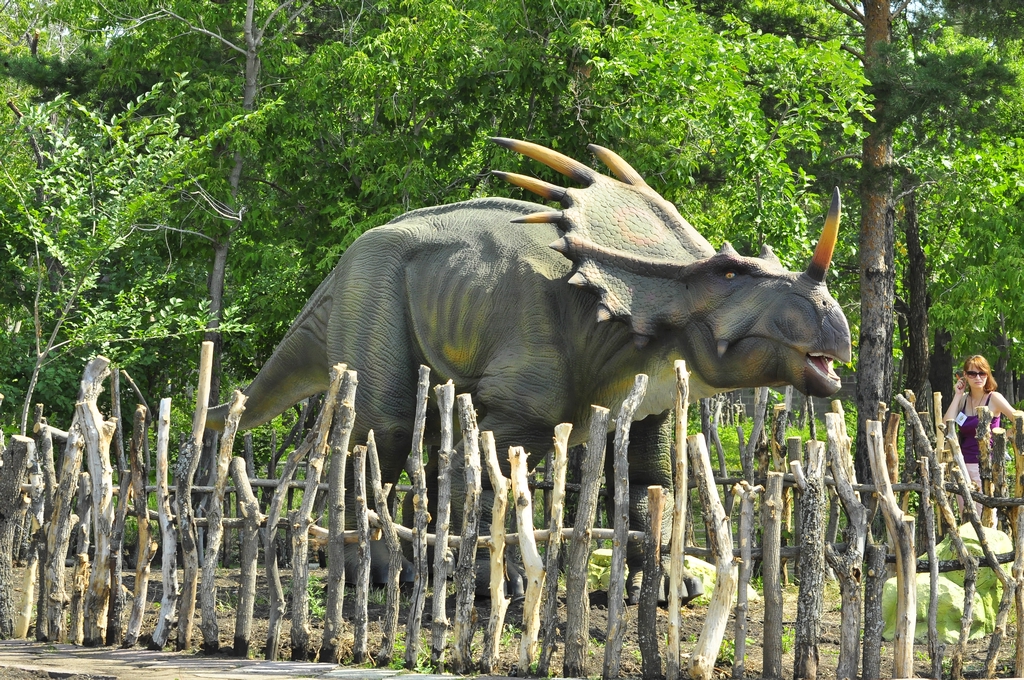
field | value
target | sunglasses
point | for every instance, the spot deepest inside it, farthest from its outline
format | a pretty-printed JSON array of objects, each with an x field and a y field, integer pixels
[{"x": 976, "y": 374}]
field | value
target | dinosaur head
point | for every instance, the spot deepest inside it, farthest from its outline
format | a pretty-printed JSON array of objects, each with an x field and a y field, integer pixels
[{"x": 739, "y": 321}]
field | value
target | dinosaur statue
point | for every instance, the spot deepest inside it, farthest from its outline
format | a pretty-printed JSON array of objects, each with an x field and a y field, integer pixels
[{"x": 539, "y": 313}]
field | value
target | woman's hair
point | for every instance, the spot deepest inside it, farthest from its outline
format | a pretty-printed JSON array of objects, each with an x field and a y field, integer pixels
[{"x": 980, "y": 363}]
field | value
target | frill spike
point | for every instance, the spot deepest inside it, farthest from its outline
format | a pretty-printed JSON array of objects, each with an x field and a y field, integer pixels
[
  {"x": 768, "y": 254},
  {"x": 543, "y": 189},
  {"x": 623, "y": 170},
  {"x": 554, "y": 160},
  {"x": 553, "y": 217},
  {"x": 727, "y": 249}
]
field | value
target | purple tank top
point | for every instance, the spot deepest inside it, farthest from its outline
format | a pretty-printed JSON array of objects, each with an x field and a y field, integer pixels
[{"x": 968, "y": 434}]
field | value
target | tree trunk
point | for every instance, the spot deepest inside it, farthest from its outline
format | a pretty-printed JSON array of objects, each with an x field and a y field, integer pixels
[
  {"x": 917, "y": 284},
  {"x": 940, "y": 372},
  {"x": 877, "y": 272}
]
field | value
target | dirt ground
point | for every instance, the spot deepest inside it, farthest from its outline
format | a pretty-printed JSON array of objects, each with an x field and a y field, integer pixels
[{"x": 692, "y": 623}]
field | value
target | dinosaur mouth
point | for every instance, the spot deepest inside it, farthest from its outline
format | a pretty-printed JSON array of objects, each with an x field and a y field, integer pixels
[{"x": 821, "y": 379}]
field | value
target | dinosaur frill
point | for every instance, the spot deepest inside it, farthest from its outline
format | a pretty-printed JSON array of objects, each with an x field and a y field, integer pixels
[{"x": 622, "y": 237}]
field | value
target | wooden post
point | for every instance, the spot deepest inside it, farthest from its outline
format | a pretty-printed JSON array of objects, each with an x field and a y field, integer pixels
[
  {"x": 746, "y": 494},
  {"x": 98, "y": 435},
  {"x": 316, "y": 438},
  {"x": 702, "y": 662},
  {"x": 617, "y": 576},
  {"x": 188, "y": 462},
  {"x": 146, "y": 548},
  {"x": 771, "y": 542},
  {"x": 442, "y": 554},
  {"x": 114, "y": 632},
  {"x": 362, "y": 554},
  {"x": 419, "y": 504},
  {"x": 1017, "y": 515},
  {"x": 532, "y": 561},
  {"x": 577, "y": 601},
  {"x": 848, "y": 565},
  {"x": 251, "y": 520},
  {"x": 12, "y": 501},
  {"x": 80, "y": 578},
  {"x": 647, "y": 611},
  {"x": 302, "y": 648},
  {"x": 928, "y": 510},
  {"x": 341, "y": 432},
  {"x": 677, "y": 541},
  {"x": 34, "y": 521},
  {"x": 901, "y": 530},
  {"x": 44, "y": 452},
  {"x": 168, "y": 559},
  {"x": 465, "y": 572},
  {"x": 549, "y": 617},
  {"x": 874, "y": 581},
  {"x": 389, "y": 627},
  {"x": 810, "y": 601},
  {"x": 215, "y": 527},
  {"x": 499, "y": 603}
]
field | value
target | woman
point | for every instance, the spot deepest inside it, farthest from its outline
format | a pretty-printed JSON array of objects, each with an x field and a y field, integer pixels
[{"x": 976, "y": 387}]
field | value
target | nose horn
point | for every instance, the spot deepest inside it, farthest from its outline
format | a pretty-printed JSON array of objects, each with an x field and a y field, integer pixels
[{"x": 827, "y": 243}]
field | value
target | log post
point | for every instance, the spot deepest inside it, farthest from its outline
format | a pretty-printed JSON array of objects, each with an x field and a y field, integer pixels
[
  {"x": 362, "y": 554},
  {"x": 421, "y": 570},
  {"x": 901, "y": 530},
  {"x": 251, "y": 520},
  {"x": 549, "y": 617},
  {"x": 746, "y": 493},
  {"x": 215, "y": 526},
  {"x": 577, "y": 600},
  {"x": 37, "y": 547},
  {"x": 848, "y": 565},
  {"x": 928, "y": 510},
  {"x": 771, "y": 564},
  {"x": 302, "y": 648},
  {"x": 12, "y": 502},
  {"x": 532, "y": 561},
  {"x": 389, "y": 628},
  {"x": 44, "y": 452},
  {"x": 499, "y": 602},
  {"x": 702, "y": 662},
  {"x": 146, "y": 548},
  {"x": 1017, "y": 514},
  {"x": 647, "y": 611},
  {"x": 620, "y": 524},
  {"x": 810, "y": 600},
  {"x": 80, "y": 577},
  {"x": 341, "y": 432},
  {"x": 442, "y": 554},
  {"x": 315, "y": 438},
  {"x": 874, "y": 581},
  {"x": 465, "y": 572},
  {"x": 169, "y": 540},
  {"x": 677, "y": 540},
  {"x": 114, "y": 632},
  {"x": 188, "y": 462}
]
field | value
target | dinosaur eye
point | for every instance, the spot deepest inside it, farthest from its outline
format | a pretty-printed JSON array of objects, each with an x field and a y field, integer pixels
[{"x": 730, "y": 275}]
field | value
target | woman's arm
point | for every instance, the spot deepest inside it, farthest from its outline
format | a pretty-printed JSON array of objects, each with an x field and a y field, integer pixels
[
  {"x": 954, "y": 405},
  {"x": 1001, "y": 407}
]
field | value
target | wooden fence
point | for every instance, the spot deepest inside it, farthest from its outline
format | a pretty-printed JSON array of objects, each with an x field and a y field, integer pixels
[{"x": 46, "y": 516}]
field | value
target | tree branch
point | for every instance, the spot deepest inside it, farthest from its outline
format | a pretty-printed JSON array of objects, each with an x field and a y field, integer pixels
[
  {"x": 848, "y": 9},
  {"x": 202, "y": 31},
  {"x": 900, "y": 8},
  {"x": 165, "y": 227}
]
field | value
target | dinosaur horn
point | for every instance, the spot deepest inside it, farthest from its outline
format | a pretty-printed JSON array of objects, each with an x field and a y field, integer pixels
[
  {"x": 623, "y": 170},
  {"x": 552, "y": 159},
  {"x": 827, "y": 243},
  {"x": 553, "y": 217},
  {"x": 537, "y": 186}
]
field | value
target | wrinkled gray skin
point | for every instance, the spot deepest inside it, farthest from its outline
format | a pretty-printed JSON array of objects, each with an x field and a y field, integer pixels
[{"x": 495, "y": 307}]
